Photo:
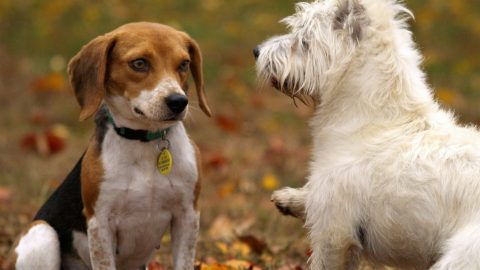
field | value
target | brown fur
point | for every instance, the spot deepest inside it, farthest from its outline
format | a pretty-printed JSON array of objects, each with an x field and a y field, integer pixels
[
  {"x": 91, "y": 177},
  {"x": 101, "y": 67},
  {"x": 198, "y": 185}
]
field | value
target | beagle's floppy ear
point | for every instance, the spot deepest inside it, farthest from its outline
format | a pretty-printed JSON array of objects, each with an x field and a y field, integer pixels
[
  {"x": 87, "y": 71},
  {"x": 197, "y": 73}
]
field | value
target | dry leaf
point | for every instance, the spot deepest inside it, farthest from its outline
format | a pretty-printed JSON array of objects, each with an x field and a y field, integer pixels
[
  {"x": 239, "y": 248},
  {"x": 227, "y": 124},
  {"x": 222, "y": 228},
  {"x": 217, "y": 161},
  {"x": 222, "y": 247},
  {"x": 154, "y": 265},
  {"x": 226, "y": 189},
  {"x": 254, "y": 243},
  {"x": 53, "y": 82},
  {"x": 5, "y": 194},
  {"x": 270, "y": 182},
  {"x": 239, "y": 264}
]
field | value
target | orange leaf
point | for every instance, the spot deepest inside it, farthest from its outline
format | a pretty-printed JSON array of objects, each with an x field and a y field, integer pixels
[
  {"x": 239, "y": 264},
  {"x": 217, "y": 161},
  {"x": 254, "y": 243},
  {"x": 5, "y": 194},
  {"x": 154, "y": 265},
  {"x": 447, "y": 96},
  {"x": 226, "y": 189},
  {"x": 240, "y": 248},
  {"x": 227, "y": 124},
  {"x": 269, "y": 182},
  {"x": 53, "y": 82},
  {"x": 222, "y": 228}
]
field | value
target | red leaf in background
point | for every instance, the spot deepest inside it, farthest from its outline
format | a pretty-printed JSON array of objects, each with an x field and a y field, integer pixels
[
  {"x": 154, "y": 265},
  {"x": 254, "y": 243},
  {"x": 227, "y": 124},
  {"x": 217, "y": 161},
  {"x": 28, "y": 141},
  {"x": 49, "y": 142},
  {"x": 5, "y": 194},
  {"x": 55, "y": 142}
]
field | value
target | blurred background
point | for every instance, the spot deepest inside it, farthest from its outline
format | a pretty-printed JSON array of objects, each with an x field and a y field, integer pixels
[{"x": 257, "y": 140}]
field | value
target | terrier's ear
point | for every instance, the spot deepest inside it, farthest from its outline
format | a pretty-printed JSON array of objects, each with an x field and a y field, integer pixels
[{"x": 351, "y": 17}]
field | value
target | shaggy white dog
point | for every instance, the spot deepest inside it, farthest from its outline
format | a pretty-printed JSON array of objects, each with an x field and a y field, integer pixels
[{"x": 393, "y": 177}]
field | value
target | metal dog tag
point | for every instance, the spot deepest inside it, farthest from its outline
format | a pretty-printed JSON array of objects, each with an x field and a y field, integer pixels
[{"x": 165, "y": 162}]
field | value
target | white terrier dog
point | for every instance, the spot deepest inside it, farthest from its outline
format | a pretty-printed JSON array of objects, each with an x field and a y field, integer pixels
[{"x": 393, "y": 177}]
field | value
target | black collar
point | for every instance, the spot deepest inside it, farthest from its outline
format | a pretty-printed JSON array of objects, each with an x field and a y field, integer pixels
[{"x": 137, "y": 134}]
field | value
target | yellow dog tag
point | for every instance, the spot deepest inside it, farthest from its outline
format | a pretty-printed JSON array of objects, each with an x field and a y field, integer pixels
[{"x": 165, "y": 162}]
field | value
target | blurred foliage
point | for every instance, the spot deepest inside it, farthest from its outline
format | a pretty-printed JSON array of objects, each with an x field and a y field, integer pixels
[
  {"x": 448, "y": 33},
  {"x": 256, "y": 141}
]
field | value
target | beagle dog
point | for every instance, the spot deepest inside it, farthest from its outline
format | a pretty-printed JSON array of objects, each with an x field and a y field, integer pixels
[{"x": 140, "y": 173}]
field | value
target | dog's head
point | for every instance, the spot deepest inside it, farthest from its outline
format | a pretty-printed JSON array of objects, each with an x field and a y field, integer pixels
[
  {"x": 323, "y": 34},
  {"x": 140, "y": 70}
]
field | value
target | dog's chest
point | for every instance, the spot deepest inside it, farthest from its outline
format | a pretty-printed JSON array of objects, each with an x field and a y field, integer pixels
[{"x": 138, "y": 200}]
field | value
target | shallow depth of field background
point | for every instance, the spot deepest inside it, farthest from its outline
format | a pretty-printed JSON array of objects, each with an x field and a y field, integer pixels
[{"x": 256, "y": 141}]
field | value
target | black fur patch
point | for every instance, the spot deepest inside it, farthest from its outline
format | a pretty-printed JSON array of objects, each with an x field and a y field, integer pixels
[
  {"x": 63, "y": 210},
  {"x": 361, "y": 234},
  {"x": 101, "y": 120}
]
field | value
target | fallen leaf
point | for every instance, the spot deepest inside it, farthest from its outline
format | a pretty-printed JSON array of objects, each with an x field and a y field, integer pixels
[
  {"x": 227, "y": 124},
  {"x": 239, "y": 248},
  {"x": 215, "y": 266},
  {"x": 239, "y": 264},
  {"x": 226, "y": 189},
  {"x": 270, "y": 182},
  {"x": 5, "y": 194},
  {"x": 217, "y": 161},
  {"x": 49, "y": 142},
  {"x": 254, "y": 243},
  {"x": 154, "y": 265},
  {"x": 222, "y": 228},
  {"x": 53, "y": 82},
  {"x": 222, "y": 247}
]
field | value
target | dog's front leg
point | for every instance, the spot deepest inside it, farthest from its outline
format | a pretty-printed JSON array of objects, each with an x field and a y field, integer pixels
[
  {"x": 101, "y": 244},
  {"x": 184, "y": 233},
  {"x": 290, "y": 201}
]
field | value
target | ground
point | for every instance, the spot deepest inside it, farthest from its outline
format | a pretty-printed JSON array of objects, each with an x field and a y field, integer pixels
[{"x": 256, "y": 141}]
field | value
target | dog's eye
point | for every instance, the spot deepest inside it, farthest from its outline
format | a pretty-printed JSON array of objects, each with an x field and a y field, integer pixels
[
  {"x": 139, "y": 65},
  {"x": 184, "y": 66}
]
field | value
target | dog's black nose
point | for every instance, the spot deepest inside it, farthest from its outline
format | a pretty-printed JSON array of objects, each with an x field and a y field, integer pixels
[
  {"x": 176, "y": 102},
  {"x": 256, "y": 52}
]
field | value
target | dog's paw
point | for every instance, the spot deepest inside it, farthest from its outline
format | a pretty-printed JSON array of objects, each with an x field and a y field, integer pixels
[{"x": 289, "y": 202}]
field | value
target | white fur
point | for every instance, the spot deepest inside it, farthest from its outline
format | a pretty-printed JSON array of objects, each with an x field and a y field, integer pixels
[
  {"x": 137, "y": 204},
  {"x": 150, "y": 102},
  {"x": 39, "y": 248},
  {"x": 392, "y": 176}
]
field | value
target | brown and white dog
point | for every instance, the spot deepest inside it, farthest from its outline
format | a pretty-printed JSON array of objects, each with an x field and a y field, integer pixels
[{"x": 114, "y": 206}]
